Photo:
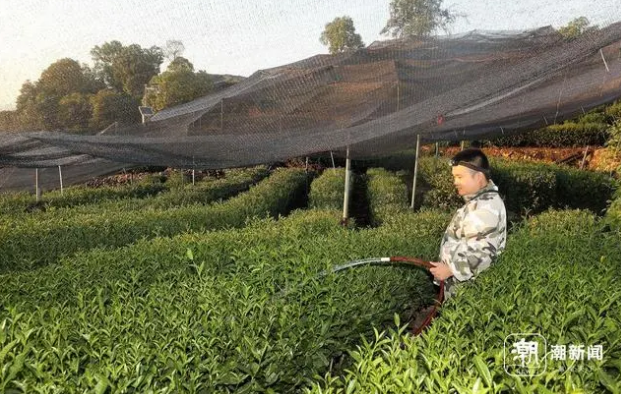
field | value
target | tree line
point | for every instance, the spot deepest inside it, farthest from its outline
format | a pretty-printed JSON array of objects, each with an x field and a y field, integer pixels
[{"x": 70, "y": 96}]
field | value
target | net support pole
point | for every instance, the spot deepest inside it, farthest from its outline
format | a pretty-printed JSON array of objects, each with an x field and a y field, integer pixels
[
  {"x": 37, "y": 188},
  {"x": 604, "y": 59},
  {"x": 586, "y": 152},
  {"x": 332, "y": 157},
  {"x": 437, "y": 149},
  {"x": 60, "y": 176},
  {"x": 193, "y": 171},
  {"x": 347, "y": 188},
  {"x": 415, "y": 171}
]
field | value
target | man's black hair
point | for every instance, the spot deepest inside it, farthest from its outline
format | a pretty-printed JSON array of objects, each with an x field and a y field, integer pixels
[{"x": 474, "y": 159}]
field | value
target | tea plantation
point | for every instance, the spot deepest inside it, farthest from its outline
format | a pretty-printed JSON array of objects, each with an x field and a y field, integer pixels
[{"x": 216, "y": 287}]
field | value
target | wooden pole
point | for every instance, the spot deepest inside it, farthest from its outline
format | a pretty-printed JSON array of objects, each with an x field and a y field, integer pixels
[{"x": 586, "y": 151}]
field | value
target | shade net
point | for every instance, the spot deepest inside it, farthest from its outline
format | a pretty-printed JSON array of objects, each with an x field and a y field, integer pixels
[{"x": 373, "y": 101}]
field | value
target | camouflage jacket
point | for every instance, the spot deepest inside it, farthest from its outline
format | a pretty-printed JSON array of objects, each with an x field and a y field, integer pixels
[{"x": 475, "y": 237}]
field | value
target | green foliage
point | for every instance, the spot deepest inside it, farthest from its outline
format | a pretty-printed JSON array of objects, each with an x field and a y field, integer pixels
[
  {"x": 568, "y": 134},
  {"x": 148, "y": 194},
  {"x": 613, "y": 213},
  {"x": 576, "y": 28},
  {"x": 327, "y": 190},
  {"x": 16, "y": 203},
  {"x": 32, "y": 242},
  {"x": 109, "y": 107},
  {"x": 396, "y": 161},
  {"x": 9, "y": 121},
  {"x": 58, "y": 100},
  {"x": 525, "y": 187},
  {"x": 411, "y": 18},
  {"x": 180, "y": 64},
  {"x": 27, "y": 112},
  {"x": 228, "y": 311},
  {"x": 340, "y": 35},
  {"x": 64, "y": 77},
  {"x": 583, "y": 189},
  {"x": 614, "y": 141},
  {"x": 567, "y": 294},
  {"x": 613, "y": 111},
  {"x": 127, "y": 69},
  {"x": 75, "y": 111},
  {"x": 176, "y": 86},
  {"x": 387, "y": 195}
]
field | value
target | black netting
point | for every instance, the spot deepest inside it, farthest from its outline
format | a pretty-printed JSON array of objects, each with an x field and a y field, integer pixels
[{"x": 374, "y": 100}]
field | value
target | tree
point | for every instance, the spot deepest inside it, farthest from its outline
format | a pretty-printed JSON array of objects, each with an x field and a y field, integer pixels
[
  {"x": 177, "y": 86},
  {"x": 9, "y": 121},
  {"x": 75, "y": 111},
  {"x": 38, "y": 104},
  {"x": 180, "y": 63},
  {"x": 26, "y": 106},
  {"x": 340, "y": 35},
  {"x": 110, "y": 106},
  {"x": 104, "y": 56},
  {"x": 410, "y": 18},
  {"x": 46, "y": 105},
  {"x": 173, "y": 49},
  {"x": 63, "y": 77},
  {"x": 575, "y": 28},
  {"x": 127, "y": 68}
]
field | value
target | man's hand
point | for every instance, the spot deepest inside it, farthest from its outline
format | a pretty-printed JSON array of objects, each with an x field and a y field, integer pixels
[{"x": 440, "y": 271}]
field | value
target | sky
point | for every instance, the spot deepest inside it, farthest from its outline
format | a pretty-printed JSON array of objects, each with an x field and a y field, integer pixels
[{"x": 235, "y": 37}]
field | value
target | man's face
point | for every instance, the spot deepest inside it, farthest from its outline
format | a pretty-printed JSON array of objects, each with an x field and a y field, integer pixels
[{"x": 467, "y": 181}]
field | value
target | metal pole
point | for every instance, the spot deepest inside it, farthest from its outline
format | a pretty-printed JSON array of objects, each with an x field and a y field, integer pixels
[
  {"x": 415, "y": 170},
  {"x": 193, "y": 171},
  {"x": 306, "y": 168},
  {"x": 37, "y": 188},
  {"x": 60, "y": 176},
  {"x": 437, "y": 149},
  {"x": 332, "y": 156},
  {"x": 347, "y": 183}
]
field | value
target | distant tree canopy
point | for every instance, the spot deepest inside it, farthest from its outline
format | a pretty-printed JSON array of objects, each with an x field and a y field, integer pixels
[
  {"x": 411, "y": 18},
  {"x": 73, "y": 97},
  {"x": 110, "y": 106},
  {"x": 58, "y": 98},
  {"x": 340, "y": 35},
  {"x": 126, "y": 68},
  {"x": 179, "y": 64},
  {"x": 177, "y": 85},
  {"x": 575, "y": 28}
]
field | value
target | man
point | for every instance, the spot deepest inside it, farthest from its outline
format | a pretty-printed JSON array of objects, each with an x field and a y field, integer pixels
[{"x": 477, "y": 233}]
